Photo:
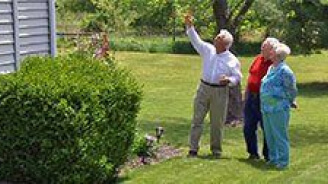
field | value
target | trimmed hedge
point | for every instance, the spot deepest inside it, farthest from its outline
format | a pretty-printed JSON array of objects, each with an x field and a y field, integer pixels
[
  {"x": 165, "y": 45},
  {"x": 180, "y": 47},
  {"x": 71, "y": 119}
]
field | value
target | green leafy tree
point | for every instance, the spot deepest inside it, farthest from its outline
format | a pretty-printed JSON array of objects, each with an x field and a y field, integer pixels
[
  {"x": 75, "y": 5},
  {"x": 263, "y": 16},
  {"x": 155, "y": 16},
  {"x": 111, "y": 15},
  {"x": 305, "y": 25}
]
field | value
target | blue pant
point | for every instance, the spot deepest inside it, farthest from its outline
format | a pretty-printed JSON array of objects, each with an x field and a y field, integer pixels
[
  {"x": 252, "y": 118},
  {"x": 276, "y": 133}
]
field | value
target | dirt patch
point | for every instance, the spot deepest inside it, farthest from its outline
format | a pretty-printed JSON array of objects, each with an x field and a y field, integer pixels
[{"x": 162, "y": 153}]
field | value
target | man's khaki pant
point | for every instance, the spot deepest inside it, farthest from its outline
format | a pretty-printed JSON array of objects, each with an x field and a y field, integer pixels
[{"x": 215, "y": 100}]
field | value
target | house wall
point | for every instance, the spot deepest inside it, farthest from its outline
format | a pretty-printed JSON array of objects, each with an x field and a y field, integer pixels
[{"x": 27, "y": 27}]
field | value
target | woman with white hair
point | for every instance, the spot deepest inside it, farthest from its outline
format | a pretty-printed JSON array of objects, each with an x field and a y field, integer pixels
[
  {"x": 277, "y": 93},
  {"x": 252, "y": 110}
]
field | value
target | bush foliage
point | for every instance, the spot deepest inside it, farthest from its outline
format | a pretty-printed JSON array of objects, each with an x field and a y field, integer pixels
[
  {"x": 70, "y": 119},
  {"x": 180, "y": 47}
]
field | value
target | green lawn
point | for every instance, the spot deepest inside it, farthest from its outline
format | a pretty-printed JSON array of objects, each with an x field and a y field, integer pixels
[{"x": 170, "y": 82}]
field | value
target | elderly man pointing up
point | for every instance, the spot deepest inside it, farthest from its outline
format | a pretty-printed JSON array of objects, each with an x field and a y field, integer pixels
[{"x": 220, "y": 68}]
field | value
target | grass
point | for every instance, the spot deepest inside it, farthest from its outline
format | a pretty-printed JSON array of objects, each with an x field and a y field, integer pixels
[{"x": 170, "y": 83}]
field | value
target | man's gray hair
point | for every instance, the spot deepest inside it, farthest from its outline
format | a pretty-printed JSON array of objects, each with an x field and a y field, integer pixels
[
  {"x": 227, "y": 37},
  {"x": 282, "y": 51},
  {"x": 273, "y": 42}
]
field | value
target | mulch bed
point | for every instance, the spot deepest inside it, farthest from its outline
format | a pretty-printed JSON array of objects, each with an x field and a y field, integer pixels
[{"x": 162, "y": 153}]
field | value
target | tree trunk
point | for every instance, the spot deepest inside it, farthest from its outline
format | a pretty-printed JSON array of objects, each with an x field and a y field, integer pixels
[
  {"x": 221, "y": 12},
  {"x": 224, "y": 18}
]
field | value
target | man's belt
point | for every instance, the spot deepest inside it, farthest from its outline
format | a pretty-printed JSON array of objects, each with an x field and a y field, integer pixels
[{"x": 212, "y": 84}]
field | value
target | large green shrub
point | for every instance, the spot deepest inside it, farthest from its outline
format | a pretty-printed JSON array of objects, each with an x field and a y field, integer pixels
[{"x": 70, "y": 119}]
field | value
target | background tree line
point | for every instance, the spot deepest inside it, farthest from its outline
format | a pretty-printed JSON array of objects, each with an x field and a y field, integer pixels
[{"x": 300, "y": 23}]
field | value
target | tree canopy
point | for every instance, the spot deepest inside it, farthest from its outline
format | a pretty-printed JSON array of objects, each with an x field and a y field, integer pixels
[{"x": 300, "y": 23}]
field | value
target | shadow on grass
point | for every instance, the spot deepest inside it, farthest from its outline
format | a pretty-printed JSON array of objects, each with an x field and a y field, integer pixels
[
  {"x": 122, "y": 179},
  {"x": 211, "y": 157},
  {"x": 259, "y": 164},
  {"x": 304, "y": 135},
  {"x": 176, "y": 130},
  {"x": 313, "y": 89},
  {"x": 300, "y": 136}
]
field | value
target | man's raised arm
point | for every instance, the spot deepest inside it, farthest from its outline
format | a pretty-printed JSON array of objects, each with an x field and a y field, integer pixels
[{"x": 200, "y": 46}]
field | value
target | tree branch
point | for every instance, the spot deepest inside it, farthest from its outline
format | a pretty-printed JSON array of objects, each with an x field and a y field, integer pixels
[
  {"x": 234, "y": 9},
  {"x": 239, "y": 17}
]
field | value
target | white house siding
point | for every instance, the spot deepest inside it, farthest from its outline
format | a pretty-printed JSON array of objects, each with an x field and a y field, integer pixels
[
  {"x": 7, "y": 37},
  {"x": 26, "y": 28}
]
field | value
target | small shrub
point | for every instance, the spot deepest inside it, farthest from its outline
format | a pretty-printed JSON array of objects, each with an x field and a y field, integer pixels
[
  {"x": 66, "y": 120},
  {"x": 129, "y": 45},
  {"x": 183, "y": 47},
  {"x": 139, "y": 145},
  {"x": 160, "y": 47}
]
